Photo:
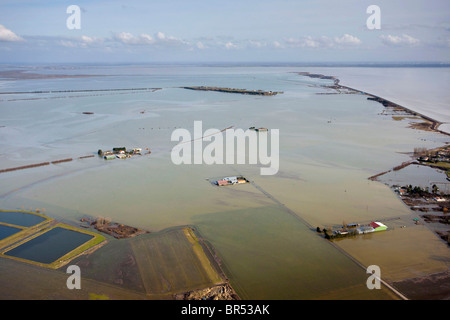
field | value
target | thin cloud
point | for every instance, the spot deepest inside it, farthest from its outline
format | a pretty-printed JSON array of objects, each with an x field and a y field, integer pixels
[
  {"x": 306, "y": 42},
  {"x": 128, "y": 38},
  {"x": 160, "y": 36},
  {"x": 257, "y": 44},
  {"x": 144, "y": 39},
  {"x": 9, "y": 36},
  {"x": 68, "y": 44},
  {"x": 347, "y": 39},
  {"x": 83, "y": 42},
  {"x": 230, "y": 45},
  {"x": 403, "y": 40},
  {"x": 170, "y": 40},
  {"x": 322, "y": 42},
  {"x": 277, "y": 44},
  {"x": 200, "y": 45},
  {"x": 441, "y": 43}
]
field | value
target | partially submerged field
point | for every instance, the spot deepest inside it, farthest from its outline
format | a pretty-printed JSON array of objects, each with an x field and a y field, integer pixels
[
  {"x": 158, "y": 265},
  {"x": 173, "y": 262}
]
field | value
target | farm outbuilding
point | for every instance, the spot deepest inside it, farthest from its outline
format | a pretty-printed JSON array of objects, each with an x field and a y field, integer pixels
[
  {"x": 371, "y": 227},
  {"x": 364, "y": 229},
  {"x": 109, "y": 157},
  {"x": 378, "y": 226}
]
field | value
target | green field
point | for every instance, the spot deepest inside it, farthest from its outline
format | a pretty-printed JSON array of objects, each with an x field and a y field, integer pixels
[{"x": 442, "y": 164}]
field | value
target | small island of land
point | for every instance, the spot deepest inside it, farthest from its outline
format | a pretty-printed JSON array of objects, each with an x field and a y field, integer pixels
[
  {"x": 319, "y": 76},
  {"x": 232, "y": 90},
  {"x": 114, "y": 229}
]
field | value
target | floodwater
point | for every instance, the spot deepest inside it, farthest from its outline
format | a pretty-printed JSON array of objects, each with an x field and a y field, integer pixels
[
  {"x": 264, "y": 232},
  {"x": 417, "y": 175},
  {"x": 420, "y": 89}
]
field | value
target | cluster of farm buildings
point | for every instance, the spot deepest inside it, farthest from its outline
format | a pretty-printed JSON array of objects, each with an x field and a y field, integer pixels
[
  {"x": 362, "y": 229},
  {"x": 119, "y": 153},
  {"x": 231, "y": 181}
]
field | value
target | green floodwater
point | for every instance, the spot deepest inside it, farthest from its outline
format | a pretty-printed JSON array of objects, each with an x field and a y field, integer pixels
[
  {"x": 329, "y": 146},
  {"x": 282, "y": 254}
]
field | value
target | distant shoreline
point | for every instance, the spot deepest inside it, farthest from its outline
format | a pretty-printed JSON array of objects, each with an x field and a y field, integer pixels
[
  {"x": 23, "y": 75},
  {"x": 434, "y": 124}
]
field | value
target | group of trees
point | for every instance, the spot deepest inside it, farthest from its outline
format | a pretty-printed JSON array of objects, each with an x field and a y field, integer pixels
[
  {"x": 416, "y": 190},
  {"x": 325, "y": 232},
  {"x": 329, "y": 234},
  {"x": 419, "y": 151}
]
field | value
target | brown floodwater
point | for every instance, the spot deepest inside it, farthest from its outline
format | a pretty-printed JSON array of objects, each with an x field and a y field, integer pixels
[{"x": 329, "y": 146}]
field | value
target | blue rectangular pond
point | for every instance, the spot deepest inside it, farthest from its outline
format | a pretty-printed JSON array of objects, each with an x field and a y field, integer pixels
[
  {"x": 6, "y": 231},
  {"x": 18, "y": 218},
  {"x": 50, "y": 246}
]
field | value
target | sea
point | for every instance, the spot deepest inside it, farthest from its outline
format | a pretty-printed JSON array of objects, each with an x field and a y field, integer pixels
[{"x": 264, "y": 232}]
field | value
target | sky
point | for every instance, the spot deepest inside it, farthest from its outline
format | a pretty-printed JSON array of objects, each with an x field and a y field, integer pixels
[{"x": 204, "y": 31}]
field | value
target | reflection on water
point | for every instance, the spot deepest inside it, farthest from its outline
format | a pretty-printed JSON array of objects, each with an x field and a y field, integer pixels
[
  {"x": 417, "y": 175},
  {"x": 49, "y": 246},
  {"x": 6, "y": 231},
  {"x": 329, "y": 146},
  {"x": 22, "y": 219}
]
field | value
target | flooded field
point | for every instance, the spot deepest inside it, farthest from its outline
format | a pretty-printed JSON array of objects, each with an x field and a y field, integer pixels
[
  {"x": 263, "y": 231},
  {"x": 159, "y": 265},
  {"x": 270, "y": 254},
  {"x": 417, "y": 251},
  {"x": 157, "y": 256},
  {"x": 417, "y": 175}
]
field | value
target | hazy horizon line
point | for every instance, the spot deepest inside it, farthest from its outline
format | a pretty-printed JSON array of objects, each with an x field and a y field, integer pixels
[{"x": 243, "y": 64}]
